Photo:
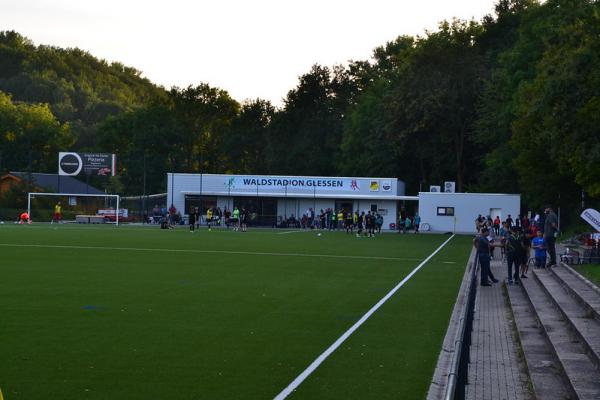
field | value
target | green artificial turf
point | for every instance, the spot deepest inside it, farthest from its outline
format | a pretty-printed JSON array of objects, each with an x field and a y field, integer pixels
[
  {"x": 590, "y": 271},
  {"x": 139, "y": 313}
]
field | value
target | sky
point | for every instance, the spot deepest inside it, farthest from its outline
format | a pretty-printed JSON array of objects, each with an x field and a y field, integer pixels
[{"x": 252, "y": 49}]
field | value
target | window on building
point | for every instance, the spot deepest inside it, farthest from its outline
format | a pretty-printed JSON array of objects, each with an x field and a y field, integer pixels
[{"x": 445, "y": 211}]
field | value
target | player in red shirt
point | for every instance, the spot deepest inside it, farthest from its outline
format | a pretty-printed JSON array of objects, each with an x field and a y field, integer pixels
[{"x": 24, "y": 218}]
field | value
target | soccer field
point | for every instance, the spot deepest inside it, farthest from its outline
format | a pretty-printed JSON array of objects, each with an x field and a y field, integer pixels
[{"x": 98, "y": 312}]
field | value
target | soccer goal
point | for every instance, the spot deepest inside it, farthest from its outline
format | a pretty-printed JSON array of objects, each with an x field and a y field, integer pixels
[{"x": 75, "y": 208}]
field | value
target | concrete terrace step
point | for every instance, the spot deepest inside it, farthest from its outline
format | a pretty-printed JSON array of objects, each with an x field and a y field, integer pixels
[
  {"x": 581, "y": 372},
  {"x": 584, "y": 291},
  {"x": 583, "y": 325},
  {"x": 545, "y": 371}
]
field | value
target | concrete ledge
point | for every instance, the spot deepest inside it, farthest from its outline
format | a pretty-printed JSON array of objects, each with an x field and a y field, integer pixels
[{"x": 439, "y": 381}]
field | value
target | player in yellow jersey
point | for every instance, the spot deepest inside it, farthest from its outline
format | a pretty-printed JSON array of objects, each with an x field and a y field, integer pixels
[
  {"x": 236, "y": 219},
  {"x": 57, "y": 216},
  {"x": 209, "y": 217}
]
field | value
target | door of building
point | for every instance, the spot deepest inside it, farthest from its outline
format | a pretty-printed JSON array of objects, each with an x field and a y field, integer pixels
[{"x": 345, "y": 205}]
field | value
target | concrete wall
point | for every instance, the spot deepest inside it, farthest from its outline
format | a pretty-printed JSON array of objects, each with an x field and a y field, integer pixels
[{"x": 466, "y": 208}]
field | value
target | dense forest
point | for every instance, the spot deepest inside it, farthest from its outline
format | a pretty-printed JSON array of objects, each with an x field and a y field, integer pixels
[{"x": 510, "y": 103}]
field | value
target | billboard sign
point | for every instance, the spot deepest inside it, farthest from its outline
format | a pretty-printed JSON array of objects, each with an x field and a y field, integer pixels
[{"x": 72, "y": 164}]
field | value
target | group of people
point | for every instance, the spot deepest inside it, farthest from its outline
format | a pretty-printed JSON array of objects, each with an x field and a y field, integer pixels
[
  {"x": 516, "y": 240},
  {"x": 25, "y": 218},
  {"x": 405, "y": 223},
  {"x": 237, "y": 219},
  {"x": 364, "y": 223}
]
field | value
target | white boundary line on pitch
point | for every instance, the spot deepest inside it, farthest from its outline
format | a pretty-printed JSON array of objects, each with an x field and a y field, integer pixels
[
  {"x": 286, "y": 232},
  {"x": 319, "y": 360},
  {"x": 249, "y": 253}
]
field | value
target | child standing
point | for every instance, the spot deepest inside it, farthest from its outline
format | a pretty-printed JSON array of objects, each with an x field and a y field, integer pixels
[{"x": 539, "y": 245}]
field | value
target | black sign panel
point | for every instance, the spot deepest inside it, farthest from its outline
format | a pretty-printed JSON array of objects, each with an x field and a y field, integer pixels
[{"x": 102, "y": 164}]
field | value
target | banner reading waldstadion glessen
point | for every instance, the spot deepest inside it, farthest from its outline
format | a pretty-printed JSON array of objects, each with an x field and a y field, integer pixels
[
  {"x": 306, "y": 183},
  {"x": 101, "y": 164}
]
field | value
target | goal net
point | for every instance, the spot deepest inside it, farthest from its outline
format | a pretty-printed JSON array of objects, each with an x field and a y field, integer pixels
[{"x": 75, "y": 208}]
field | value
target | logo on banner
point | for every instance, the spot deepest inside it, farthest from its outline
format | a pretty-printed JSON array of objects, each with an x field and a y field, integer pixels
[
  {"x": 69, "y": 164},
  {"x": 592, "y": 217},
  {"x": 386, "y": 186},
  {"x": 230, "y": 183},
  {"x": 354, "y": 185},
  {"x": 374, "y": 186}
]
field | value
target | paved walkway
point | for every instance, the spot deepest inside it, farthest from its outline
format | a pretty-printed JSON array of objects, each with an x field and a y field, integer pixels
[{"x": 495, "y": 371}]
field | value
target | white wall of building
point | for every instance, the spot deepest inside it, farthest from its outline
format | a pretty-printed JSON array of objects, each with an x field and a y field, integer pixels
[
  {"x": 467, "y": 206},
  {"x": 225, "y": 187}
]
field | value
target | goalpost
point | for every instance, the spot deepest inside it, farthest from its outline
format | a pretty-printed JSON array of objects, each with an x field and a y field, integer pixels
[{"x": 32, "y": 195}]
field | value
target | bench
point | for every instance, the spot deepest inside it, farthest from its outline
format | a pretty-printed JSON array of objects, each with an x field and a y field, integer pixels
[{"x": 90, "y": 219}]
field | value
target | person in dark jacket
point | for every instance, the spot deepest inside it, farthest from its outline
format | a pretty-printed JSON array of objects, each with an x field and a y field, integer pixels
[
  {"x": 484, "y": 248},
  {"x": 192, "y": 219}
]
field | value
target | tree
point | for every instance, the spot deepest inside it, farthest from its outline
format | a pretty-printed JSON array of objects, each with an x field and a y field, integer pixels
[
  {"x": 245, "y": 140},
  {"x": 31, "y": 136}
]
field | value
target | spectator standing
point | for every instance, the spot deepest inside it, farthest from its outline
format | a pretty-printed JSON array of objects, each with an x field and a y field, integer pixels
[
  {"x": 244, "y": 218},
  {"x": 525, "y": 223},
  {"x": 227, "y": 215},
  {"x": 417, "y": 222},
  {"x": 539, "y": 245},
  {"x": 378, "y": 222},
  {"x": 497, "y": 225},
  {"x": 172, "y": 212},
  {"x": 484, "y": 247},
  {"x": 192, "y": 219},
  {"x": 478, "y": 223},
  {"x": 219, "y": 217},
  {"x": 550, "y": 230},
  {"x": 509, "y": 222},
  {"x": 514, "y": 253}
]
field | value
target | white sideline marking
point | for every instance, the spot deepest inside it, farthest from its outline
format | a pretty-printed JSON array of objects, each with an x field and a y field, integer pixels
[
  {"x": 315, "y": 364},
  {"x": 286, "y": 232},
  {"x": 251, "y": 253}
]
